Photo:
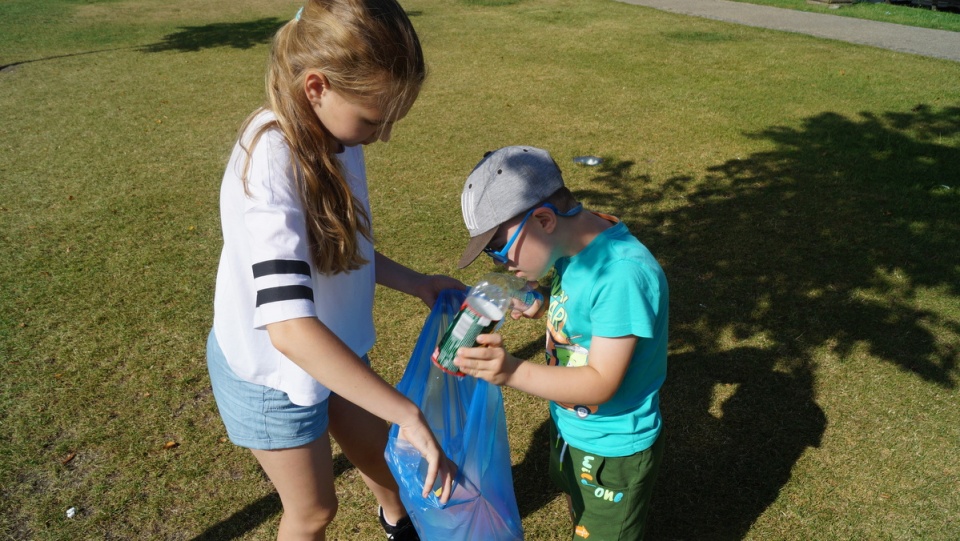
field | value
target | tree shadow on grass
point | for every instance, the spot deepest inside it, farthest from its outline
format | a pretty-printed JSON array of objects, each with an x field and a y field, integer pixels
[
  {"x": 531, "y": 476},
  {"x": 243, "y": 35},
  {"x": 823, "y": 247}
]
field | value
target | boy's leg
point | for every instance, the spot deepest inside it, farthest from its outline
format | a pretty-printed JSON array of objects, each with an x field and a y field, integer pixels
[
  {"x": 616, "y": 493},
  {"x": 563, "y": 474},
  {"x": 303, "y": 476},
  {"x": 363, "y": 438}
]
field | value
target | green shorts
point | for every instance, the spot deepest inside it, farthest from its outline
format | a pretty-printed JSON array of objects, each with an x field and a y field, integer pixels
[{"x": 610, "y": 495}]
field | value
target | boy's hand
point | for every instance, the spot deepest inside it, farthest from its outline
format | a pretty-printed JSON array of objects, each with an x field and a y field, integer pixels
[
  {"x": 489, "y": 361},
  {"x": 533, "y": 310}
]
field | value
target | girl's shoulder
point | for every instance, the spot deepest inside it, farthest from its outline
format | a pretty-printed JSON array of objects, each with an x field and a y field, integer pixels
[
  {"x": 263, "y": 156},
  {"x": 256, "y": 123},
  {"x": 263, "y": 140}
]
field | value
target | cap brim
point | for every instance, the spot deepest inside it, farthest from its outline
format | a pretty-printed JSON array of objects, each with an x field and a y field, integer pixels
[{"x": 475, "y": 246}]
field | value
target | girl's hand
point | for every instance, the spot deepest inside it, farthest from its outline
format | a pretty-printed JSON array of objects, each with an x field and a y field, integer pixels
[
  {"x": 425, "y": 286},
  {"x": 489, "y": 361},
  {"x": 439, "y": 467},
  {"x": 429, "y": 286}
]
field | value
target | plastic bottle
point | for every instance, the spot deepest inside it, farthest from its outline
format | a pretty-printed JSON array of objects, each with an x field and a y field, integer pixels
[{"x": 481, "y": 313}]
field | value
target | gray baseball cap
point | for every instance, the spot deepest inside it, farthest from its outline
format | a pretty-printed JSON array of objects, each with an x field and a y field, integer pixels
[{"x": 506, "y": 183}]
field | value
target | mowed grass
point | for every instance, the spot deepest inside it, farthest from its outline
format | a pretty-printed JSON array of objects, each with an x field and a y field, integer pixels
[
  {"x": 900, "y": 12},
  {"x": 801, "y": 194}
]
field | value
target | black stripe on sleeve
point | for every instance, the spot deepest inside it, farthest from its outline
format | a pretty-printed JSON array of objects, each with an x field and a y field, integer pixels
[
  {"x": 284, "y": 293},
  {"x": 281, "y": 266}
]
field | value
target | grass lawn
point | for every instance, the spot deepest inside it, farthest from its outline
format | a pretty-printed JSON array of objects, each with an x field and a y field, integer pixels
[
  {"x": 801, "y": 194},
  {"x": 892, "y": 12}
]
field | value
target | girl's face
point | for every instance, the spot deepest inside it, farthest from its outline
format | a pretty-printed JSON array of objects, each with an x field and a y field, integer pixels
[
  {"x": 531, "y": 255},
  {"x": 351, "y": 123}
]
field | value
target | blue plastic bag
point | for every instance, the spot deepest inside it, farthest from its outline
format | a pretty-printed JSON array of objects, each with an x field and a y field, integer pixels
[{"x": 467, "y": 417}]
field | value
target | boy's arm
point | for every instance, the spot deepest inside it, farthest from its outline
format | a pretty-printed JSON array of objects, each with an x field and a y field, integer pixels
[{"x": 594, "y": 383}]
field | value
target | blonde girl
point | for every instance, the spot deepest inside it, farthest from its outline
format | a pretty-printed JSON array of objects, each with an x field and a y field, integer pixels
[{"x": 293, "y": 306}]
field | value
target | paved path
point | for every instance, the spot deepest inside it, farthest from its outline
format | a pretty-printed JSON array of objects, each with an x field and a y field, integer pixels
[{"x": 908, "y": 39}]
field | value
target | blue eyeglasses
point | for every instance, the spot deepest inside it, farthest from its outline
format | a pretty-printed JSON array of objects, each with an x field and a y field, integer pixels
[{"x": 500, "y": 256}]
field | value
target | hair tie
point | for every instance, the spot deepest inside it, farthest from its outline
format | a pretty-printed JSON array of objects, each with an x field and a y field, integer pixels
[{"x": 299, "y": 12}]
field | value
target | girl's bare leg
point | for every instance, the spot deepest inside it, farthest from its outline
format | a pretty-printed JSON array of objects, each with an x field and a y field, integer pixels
[
  {"x": 363, "y": 437},
  {"x": 303, "y": 476}
]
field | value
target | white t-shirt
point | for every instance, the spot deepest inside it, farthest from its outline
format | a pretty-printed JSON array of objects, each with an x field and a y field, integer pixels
[{"x": 266, "y": 273}]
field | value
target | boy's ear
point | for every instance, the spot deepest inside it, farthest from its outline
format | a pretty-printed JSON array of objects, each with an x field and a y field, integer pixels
[
  {"x": 546, "y": 218},
  {"x": 314, "y": 85}
]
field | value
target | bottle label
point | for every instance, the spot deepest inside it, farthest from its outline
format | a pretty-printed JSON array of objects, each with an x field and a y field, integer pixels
[{"x": 477, "y": 316}]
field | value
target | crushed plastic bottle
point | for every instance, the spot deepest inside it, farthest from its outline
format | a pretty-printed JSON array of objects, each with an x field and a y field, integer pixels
[
  {"x": 588, "y": 160},
  {"x": 482, "y": 312}
]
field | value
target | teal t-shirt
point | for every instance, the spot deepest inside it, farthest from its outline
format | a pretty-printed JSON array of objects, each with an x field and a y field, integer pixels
[{"x": 614, "y": 287}]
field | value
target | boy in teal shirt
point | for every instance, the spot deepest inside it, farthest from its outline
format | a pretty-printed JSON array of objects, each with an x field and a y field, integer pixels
[{"x": 606, "y": 340}]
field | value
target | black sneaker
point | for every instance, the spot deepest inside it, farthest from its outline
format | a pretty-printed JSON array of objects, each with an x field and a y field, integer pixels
[{"x": 403, "y": 531}]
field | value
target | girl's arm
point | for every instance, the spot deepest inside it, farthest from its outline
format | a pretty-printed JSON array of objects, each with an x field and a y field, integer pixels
[
  {"x": 313, "y": 347},
  {"x": 404, "y": 279},
  {"x": 594, "y": 383}
]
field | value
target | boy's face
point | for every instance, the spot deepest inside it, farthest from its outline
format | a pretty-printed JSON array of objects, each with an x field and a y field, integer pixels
[{"x": 531, "y": 254}]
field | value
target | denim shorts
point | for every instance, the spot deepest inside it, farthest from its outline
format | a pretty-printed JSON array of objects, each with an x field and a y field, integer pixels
[{"x": 259, "y": 417}]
